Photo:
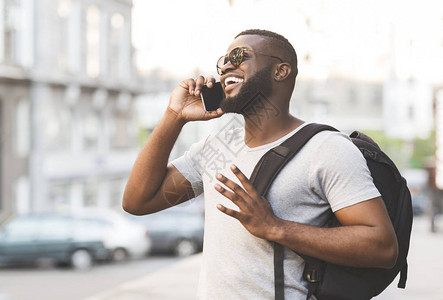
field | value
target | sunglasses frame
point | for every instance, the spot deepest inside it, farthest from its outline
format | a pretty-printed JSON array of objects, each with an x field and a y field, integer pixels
[{"x": 236, "y": 57}]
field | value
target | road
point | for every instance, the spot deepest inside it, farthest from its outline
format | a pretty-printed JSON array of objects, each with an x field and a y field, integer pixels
[
  {"x": 424, "y": 279},
  {"x": 51, "y": 283}
]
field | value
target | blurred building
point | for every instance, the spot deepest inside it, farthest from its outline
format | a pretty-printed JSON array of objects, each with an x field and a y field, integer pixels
[
  {"x": 345, "y": 103},
  {"x": 67, "y": 85},
  {"x": 370, "y": 71}
]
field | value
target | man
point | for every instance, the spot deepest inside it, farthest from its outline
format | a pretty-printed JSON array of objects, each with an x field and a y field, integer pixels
[{"x": 258, "y": 75}]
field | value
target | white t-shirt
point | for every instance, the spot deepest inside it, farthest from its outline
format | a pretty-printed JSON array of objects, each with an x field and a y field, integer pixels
[{"x": 328, "y": 173}]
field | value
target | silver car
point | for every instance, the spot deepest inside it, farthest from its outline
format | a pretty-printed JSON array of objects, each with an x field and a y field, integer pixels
[{"x": 27, "y": 239}]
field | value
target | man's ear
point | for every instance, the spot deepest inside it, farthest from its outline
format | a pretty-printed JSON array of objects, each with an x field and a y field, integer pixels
[{"x": 282, "y": 71}]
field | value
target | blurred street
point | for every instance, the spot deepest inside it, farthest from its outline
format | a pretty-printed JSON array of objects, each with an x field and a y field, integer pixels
[
  {"x": 52, "y": 283},
  {"x": 425, "y": 264},
  {"x": 179, "y": 280}
]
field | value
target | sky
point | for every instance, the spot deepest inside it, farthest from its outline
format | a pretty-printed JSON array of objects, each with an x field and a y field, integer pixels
[{"x": 363, "y": 39}]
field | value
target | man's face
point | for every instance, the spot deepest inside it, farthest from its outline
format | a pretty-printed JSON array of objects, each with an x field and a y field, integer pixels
[
  {"x": 260, "y": 82},
  {"x": 252, "y": 76}
]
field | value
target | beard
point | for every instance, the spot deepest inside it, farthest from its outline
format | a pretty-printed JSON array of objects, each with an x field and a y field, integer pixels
[{"x": 260, "y": 82}]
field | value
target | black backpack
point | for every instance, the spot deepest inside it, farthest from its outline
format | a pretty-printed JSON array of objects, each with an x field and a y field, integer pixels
[{"x": 330, "y": 281}]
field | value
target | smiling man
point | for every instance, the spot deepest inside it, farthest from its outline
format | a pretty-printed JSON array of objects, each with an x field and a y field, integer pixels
[{"x": 328, "y": 176}]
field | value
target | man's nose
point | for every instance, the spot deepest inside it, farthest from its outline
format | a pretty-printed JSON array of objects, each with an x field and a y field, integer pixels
[{"x": 227, "y": 67}]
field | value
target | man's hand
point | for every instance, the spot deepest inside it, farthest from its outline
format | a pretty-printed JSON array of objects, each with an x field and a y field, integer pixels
[
  {"x": 255, "y": 212},
  {"x": 364, "y": 240},
  {"x": 186, "y": 102}
]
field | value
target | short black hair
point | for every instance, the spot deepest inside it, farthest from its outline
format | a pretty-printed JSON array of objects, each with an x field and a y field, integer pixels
[{"x": 279, "y": 40}]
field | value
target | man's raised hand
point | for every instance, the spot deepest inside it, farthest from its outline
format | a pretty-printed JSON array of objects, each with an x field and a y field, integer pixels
[
  {"x": 255, "y": 213},
  {"x": 186, "y": 101}
]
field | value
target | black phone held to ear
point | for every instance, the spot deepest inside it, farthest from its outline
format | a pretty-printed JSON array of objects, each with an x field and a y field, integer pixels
[{"x": 212, "y": 97}]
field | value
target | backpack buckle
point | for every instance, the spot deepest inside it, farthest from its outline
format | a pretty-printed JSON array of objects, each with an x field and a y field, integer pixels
[{"x": 313, "y": 276}]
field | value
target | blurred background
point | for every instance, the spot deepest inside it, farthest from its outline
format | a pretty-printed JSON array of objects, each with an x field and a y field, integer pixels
[{"x": 84, "y": 82}]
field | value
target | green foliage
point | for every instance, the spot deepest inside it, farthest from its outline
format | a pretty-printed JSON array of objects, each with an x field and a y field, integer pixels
[
  {"x": 423, "y": 149},
  {"x": 405, "y": 154},
  {"x": 143, "y": 136}
]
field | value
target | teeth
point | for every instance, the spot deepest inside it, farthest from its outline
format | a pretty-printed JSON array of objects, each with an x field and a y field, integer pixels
[{"x": 233, "y": 80}]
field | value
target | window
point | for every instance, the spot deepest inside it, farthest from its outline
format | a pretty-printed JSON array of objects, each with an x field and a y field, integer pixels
[
  {"x": 21, "y": 229},
  {"x": 116, "y": 41},
  {"x": 22, "y": 128},
  {"x": 123, "y": 132},
  {"x": 58, "y": 118},
  {"x": 16, "y": 32},
  {"x": 63, "y": 11},
  {"x": 120, "y": 131},
  {"x": 91, "y": 130},
  {"x": 55, "y": 228},
  {"x": 93, "y": 41},
  {"x": 91, "y": 192},
  {"x": 59, "y": 196},
  {"x": 117, "y": 187},
  {"x": 11, "y": 25}
]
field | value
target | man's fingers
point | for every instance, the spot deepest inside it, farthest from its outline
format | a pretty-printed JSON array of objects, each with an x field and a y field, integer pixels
[
  {"x": 215, "y": 114},
  {"x": 212, "y": 114},
  {"x": 199, "y": 81},
  {"x": 244, "y": 181},
  {"x": 189, "y": 84},
  {"x": 239, "y": 201},
  {"x": 237, "y": 189},
  {"x": 194, "y": 86},
  {"x": 228, "y": 211},
  {"x": 210, "y": 80}
]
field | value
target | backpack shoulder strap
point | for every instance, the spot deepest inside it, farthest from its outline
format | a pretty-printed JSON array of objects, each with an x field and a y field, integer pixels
[
  {"x": 264, "y": 174},
  {"x": 275, "y": 159}
]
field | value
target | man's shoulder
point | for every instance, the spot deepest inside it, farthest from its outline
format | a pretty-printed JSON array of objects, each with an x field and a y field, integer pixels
[
  {"x": 330, "y": 146},
  {"x": 329, "y": 138}
]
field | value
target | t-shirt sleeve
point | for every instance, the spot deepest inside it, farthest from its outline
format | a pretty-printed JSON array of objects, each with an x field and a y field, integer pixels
[
  {"x": 340, "y": 174},
  {"x": 189, "y": 166}
]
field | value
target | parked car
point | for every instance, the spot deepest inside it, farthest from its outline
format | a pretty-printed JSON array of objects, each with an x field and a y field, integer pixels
[
  {"x": 123, "y": 237},
  {"x": 175, "y": 231},
  {"x": 30, "y": 238}
]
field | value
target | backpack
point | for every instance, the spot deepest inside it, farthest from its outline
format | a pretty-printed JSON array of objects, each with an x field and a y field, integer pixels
[{"x": 327, "y": 280}]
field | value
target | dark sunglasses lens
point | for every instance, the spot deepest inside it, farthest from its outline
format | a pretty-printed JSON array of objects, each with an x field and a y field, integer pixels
[
  {"x": 221, "y": 62},
  {"x": 236, "y": 56}
]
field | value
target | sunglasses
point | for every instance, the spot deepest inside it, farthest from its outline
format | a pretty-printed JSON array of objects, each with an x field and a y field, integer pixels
[{"x": 236, "y": 57}]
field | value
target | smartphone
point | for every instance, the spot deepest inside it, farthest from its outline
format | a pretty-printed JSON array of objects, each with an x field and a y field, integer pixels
[{"x": 212, "y": 97}]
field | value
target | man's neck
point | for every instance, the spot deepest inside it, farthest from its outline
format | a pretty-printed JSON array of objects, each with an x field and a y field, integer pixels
[{"x": 261, "y": 130}]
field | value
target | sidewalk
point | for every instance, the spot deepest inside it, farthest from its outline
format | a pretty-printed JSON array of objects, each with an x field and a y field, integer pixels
[
  {"x": 425, "y": 262},
  {"x": 175, "y": 282},
  {"x": 179, "y": 281}
]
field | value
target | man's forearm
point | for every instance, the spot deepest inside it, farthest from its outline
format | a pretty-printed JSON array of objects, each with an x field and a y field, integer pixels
[
  {"x": 150, "y": 167},
  {"x": 353, "y": 245}
]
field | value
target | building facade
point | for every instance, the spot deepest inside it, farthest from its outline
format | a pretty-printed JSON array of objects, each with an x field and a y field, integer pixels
[{"x": 67, "y": 84}]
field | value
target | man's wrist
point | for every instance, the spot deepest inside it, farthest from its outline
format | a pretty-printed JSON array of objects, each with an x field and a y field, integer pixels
[
  {"x": 276, "y": 231},
  {"x": 175, "y": 116}
]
